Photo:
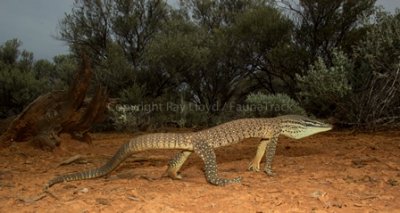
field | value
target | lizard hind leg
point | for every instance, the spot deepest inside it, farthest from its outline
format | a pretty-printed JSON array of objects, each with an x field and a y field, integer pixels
[
  {"x": 207, "y": 154},
  {"x": 269, "y": 156},
  {"x": 176, "y": 163}
]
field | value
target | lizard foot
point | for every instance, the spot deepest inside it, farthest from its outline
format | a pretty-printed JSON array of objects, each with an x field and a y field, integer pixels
[
  {"x": 223, "y": 181},
  {"x": 254, "y": 167},
  {"x": 174, "y": 175},
  {"x": 269, "y": 172}
]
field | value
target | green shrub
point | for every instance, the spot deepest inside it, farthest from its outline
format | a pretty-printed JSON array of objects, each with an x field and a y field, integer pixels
[
  {"x": 132, "y": 95},
  {"x": 376, "y": 81},
  {"x": 324, "y": 86},
  {"x": 17, "y": 89},
  {"x": 262, "y": 105},
  {"x": 18, "y": 84}
]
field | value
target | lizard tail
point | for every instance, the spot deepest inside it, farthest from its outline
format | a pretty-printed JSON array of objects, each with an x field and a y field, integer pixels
[
  {"x": 113, "y": 163},
  {"x": 141, "y": 143}
]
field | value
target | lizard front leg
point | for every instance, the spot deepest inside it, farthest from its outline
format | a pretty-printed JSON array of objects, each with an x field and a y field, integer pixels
[
  {"x": 269, "y": 157},
  {"x": 255, "y": 163},
  {"x": 176, "y": 163},
  {"x": 207, "y": 154}
]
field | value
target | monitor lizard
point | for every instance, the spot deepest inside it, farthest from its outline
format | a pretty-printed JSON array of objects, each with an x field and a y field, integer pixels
[{"x": 205, "y": 141}]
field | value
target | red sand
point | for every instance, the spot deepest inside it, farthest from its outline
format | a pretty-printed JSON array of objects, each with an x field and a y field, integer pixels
[{"x": 329, "y": 172}]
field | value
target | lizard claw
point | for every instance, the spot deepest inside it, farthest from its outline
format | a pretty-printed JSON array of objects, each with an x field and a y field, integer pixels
[
  {"x": 173, "y": 175},
  {"x": 269, "y": 172},
  {"x": 254, "y": 168}
]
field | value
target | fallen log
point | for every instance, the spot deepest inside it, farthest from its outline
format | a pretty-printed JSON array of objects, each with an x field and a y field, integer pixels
[{"x": 56, "y": 112}]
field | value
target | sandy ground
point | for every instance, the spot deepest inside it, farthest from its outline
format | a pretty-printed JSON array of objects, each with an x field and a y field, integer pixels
[{"x": 330, "y": 172}]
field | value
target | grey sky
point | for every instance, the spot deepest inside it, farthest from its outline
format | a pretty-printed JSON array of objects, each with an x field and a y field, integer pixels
[{"x": 34, "y": 22}]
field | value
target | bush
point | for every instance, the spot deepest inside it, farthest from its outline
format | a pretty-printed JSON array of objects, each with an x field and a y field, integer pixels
[
  {"x": 132, "y": 95},
  {"x": 18, "y": 84},
  {"x": 376, "y": 81},
  {"x": 364, "y": 91},
  {"x": 17, "y": 89},
  {"x": 262, "y": 105},
  {"x": 323, "y": 87}
]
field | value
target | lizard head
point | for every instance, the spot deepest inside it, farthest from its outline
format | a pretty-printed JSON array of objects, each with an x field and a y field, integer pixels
[{"x": 296, "y": 126}]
